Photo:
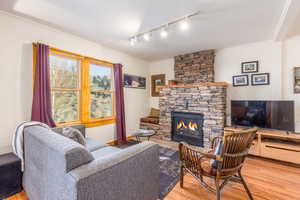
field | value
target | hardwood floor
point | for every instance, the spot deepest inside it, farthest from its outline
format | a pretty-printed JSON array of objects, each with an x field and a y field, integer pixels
[{"x": 267, "y": 180}]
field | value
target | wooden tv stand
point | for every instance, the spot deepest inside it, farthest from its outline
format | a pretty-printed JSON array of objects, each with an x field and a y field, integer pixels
[{"x": 275, "y": 144}]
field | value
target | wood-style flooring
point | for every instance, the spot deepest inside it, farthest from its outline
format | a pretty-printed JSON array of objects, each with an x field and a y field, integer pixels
[{"x": 267, "y": 180}]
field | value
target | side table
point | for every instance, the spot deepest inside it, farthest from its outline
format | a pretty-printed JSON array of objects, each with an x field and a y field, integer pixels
[
  {"x": 10, "y": 175},
  {"x": 143, "y": 133}
]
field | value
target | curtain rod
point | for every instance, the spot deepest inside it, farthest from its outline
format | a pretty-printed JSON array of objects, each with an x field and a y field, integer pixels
[{"x": 75, "y": 54}]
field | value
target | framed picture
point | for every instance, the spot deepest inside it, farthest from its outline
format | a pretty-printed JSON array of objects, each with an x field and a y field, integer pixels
[
  {"x": 250, "y": 67},
  {"x": 297, "y": 80},
  {"x": 132, "y": 81},
  {"x": 241, "y": 80},
  {"x": 157, "y": 80},
  {"x": 260, "y": 79}
]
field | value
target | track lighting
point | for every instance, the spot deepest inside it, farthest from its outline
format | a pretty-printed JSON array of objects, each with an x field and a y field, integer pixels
[
  {"x": 164, "y": 32},
  {"x": 146, "y": 36},
  {"x": 133, "y": 41},
  {"x": 184, "y": 24}
]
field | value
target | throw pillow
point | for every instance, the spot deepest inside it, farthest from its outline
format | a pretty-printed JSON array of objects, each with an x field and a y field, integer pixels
[
  {"x": 73, "y": 134},
  {"x": 217, "y": 152},
  {"x": 154, "y": 113}
]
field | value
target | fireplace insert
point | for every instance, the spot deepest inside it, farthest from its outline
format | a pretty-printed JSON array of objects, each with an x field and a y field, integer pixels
[{"x": 187, "y": 127}]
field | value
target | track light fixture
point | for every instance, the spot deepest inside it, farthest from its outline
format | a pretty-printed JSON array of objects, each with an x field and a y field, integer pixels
[
  {"x": 146, "y": 36},
  {"x": 184, "y": 24},
  {"x": 164, "y": 32}
]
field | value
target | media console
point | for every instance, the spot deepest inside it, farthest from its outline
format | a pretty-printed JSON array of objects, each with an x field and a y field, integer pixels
[{"x": 275, "y": 144}]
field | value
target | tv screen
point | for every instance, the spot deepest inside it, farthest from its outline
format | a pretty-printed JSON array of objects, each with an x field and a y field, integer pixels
[{"x": 264, "y": 114}]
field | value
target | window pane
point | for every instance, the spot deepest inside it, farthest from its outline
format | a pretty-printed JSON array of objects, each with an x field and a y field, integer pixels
[
  {"x": 101, "y": 104},
  {"x": 100, "y": 77},
  {"x": 65, "y": 106},
  {"x": 64, "y": 72}
]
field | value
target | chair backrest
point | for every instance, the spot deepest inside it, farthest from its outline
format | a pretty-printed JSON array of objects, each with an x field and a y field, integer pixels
[{"x": 236, "y": 145}]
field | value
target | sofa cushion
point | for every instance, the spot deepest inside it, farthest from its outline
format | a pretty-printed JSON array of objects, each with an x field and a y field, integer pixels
[
  {"x": 105, "y": 151},
  {"x": 73, "y": 134},
  {"x": 154, "y": 113},
  {"x": 151, "y": 120},
  {"x": 93, "y": 145},
  {"x": 79, "y": 127}
]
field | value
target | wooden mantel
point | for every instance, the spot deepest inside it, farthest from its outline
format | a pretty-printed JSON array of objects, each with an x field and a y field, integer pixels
[{"x": 224, "y": 84}]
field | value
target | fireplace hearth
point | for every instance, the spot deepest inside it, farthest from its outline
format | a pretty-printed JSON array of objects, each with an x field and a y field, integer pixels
[{"x": 187, "y": 127}]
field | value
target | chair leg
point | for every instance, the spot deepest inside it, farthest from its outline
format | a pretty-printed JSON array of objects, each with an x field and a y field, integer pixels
[
  {"x": 245, "y": 185},
  {"x": 218, "y": 192},
  {"x": 181, "y": 176}
]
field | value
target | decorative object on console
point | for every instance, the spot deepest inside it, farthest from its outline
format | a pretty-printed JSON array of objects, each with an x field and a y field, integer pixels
[
  {"x": 132, "y": 81},
  {"x": 240, "y": 80},
  {"x": 172, "y": 82},
  {"x": 157, "y": 80},
  {"x": 297, "y": 80},
  {"x": 250, "y": 67},
  {"x": 260, "y": 79}
]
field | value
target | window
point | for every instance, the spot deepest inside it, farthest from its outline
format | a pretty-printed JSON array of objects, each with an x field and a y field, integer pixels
[
  {"x": 82, "y": 89},
  {"x": 101, "y": 93},
  {"x": 65, "y": 88}
]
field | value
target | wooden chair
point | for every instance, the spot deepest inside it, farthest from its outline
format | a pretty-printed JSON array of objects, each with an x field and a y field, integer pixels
[{"x": 223, "y": 166}]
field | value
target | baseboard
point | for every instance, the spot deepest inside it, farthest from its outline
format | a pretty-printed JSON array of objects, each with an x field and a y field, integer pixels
[{"x": 115, "y": 142}]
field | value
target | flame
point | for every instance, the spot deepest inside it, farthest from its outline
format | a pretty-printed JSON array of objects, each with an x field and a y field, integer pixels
[
  {"x": 193, "y": 126},
  {"x": 181, "y": 124}
]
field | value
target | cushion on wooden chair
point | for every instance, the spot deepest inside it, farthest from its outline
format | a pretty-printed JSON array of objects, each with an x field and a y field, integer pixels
[
  {"x": 154, "y": 113},
  {"x": 152, "y": 120}
]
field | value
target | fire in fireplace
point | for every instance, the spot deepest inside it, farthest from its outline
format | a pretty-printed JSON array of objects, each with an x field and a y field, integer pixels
[{"x": 187, "y": 127}]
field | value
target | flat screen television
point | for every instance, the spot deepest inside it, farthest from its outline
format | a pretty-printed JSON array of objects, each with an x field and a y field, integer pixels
[{"x": 264, "y": 114}]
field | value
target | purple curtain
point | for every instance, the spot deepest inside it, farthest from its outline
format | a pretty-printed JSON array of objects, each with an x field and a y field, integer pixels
[
  {"x": 120, "y": 110},
  {"x": 41, "y": 104}
]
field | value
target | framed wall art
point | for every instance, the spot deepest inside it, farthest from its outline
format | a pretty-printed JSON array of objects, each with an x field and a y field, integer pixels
[
  {"x": 241, "y": 80},
  {"x": 157, "y": 80},
  {"x": 132, "y": 81},
  {"x": 297, "y": 80},
  {"x": 260, "y": 79},
  {"x": 250, "y": 67}
]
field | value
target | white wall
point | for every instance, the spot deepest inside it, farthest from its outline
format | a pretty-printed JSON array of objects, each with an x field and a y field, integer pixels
[
  {"x": 276, "y": 58},
  {"x": 291, "y": 59},
  {"x": 16, "y": 37},
  {"x": 228, "y": 63},
  {"x": 160, "y": 67}
]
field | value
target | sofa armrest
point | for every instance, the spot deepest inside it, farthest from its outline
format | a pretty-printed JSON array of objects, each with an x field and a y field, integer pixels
[{"x": 132, "y": 173}]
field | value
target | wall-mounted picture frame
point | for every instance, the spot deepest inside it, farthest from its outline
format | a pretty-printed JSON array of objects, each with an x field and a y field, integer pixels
[
  {"x": 250, "y": 67},
  {"x": 240, "y": 80},
  {"x": 157, "y": 80},
  {"x": 297, "y": 80},
  {"x": 260, "y": 79},
  {"x": 132, "y": 81}
]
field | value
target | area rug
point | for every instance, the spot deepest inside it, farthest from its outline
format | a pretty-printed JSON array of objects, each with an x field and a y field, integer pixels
[{"x": 169, "y": 168}]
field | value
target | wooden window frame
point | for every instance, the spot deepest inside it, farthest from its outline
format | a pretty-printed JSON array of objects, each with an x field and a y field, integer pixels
[
  {"x": 84, "y": 89},
  {"x": 87, "y": 120}
]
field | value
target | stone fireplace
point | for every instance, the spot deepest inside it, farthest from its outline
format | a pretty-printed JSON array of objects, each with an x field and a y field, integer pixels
[
  {"x": 187, "y": 127},
  {"x": 194, "y": 110}
]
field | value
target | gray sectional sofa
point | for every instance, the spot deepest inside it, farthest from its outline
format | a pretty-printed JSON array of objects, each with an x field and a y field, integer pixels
[{"x": 57, "y": 168}]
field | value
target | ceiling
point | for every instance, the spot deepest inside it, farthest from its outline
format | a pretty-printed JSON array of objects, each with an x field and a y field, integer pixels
[{"x": 221, "y": 23}]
